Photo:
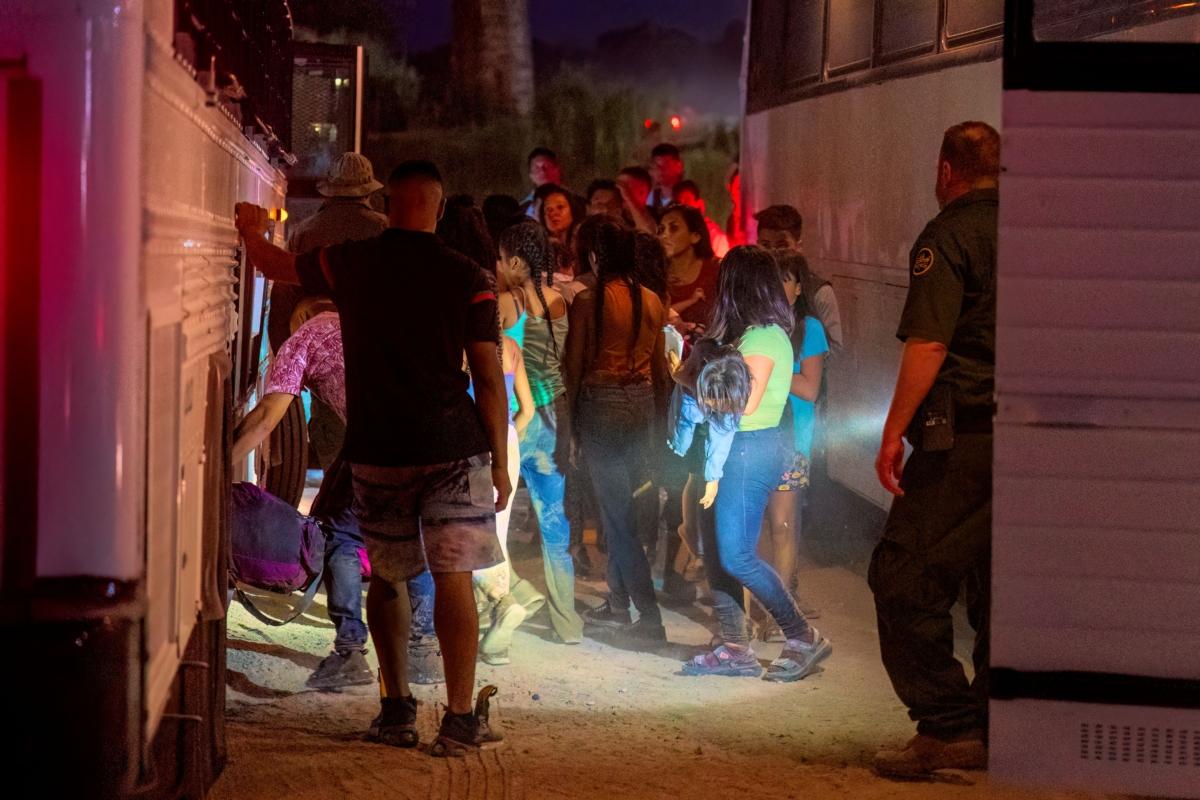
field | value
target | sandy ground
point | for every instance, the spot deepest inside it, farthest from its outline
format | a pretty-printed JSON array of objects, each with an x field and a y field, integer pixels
[{"x": 593, "y": 720}]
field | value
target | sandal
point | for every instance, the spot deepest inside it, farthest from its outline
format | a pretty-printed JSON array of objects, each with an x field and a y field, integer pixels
[
  {"x": 724, "y": 660},
  {"x": 798, "y": 660}
]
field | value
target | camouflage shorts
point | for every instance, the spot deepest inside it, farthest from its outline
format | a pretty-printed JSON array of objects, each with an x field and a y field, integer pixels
[{"x": 440, "y": 515}]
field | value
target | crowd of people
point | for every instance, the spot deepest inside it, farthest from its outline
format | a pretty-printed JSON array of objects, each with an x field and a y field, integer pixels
[{"x": 639, "y": 367}]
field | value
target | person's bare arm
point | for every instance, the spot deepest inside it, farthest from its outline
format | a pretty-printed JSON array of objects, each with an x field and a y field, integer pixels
[
  {"x": 492, "y": 402},
  {"x": 578, "y": 346},
  {"x": 760, "y": 372},
  {"x": 806, "y": 384},
  {"x": 274, "y": 262},
  {"x": 521, "y": 389},
  {"x": 826, "y": 306},
  {"x": 643, "y": 220},
  {"x": 919, "y": 366},
  {"x": 258, "y": 424},
  {"x": 684, "y": 305}
]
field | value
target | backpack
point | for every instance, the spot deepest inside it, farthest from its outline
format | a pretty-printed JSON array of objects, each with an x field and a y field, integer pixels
[{"x": 275, "y": 548}]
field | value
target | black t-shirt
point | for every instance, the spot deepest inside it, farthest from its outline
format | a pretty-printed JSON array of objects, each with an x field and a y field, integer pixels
[
  {"x": 952, "y": 294},
  {"x": 408, "y": 305}
]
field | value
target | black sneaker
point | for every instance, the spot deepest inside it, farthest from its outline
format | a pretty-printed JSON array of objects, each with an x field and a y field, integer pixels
[
  {"x": 396, "y": 724},
  {"x": 337, "y": 671},
  {"x": 463, "y": 734},
  {"x": 645, "y": 630},
  {"x": 425, "y": 661},
  {"x": 606, "y": 616}
]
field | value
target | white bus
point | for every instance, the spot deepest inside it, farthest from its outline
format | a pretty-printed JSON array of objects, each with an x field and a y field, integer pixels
[
  {"x": 132, "y": 333},
  {"x": 1096, "y": 539}
]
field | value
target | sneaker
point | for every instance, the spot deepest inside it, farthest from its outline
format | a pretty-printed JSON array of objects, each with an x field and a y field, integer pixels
[
  {"x": 337, "y": 671},
  {"x": 508, "y": 615},
  {"x": 463, "y": 734},
  {"x": 732, "y": 662},
  {"x": 425, "y": 661},
  {"x": 645, "y": 630},
  {"x": 606, "y": 616},
  {"x": 926, "y": 754},
  {"x": 799, "y": 659},
  {"x": 396, "y": 724}
]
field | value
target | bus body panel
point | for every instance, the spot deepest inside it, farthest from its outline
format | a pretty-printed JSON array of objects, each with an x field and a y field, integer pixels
[
  {"x": 140, "y": 286},
  {"x": 1096, "y": 548},
  {"x": 88, "y": 56},
  {"x": 860, "y": 166},
  {"x": 195, "y": 165}
]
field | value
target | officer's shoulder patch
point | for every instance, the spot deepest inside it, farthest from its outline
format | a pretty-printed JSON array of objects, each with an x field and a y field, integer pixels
[{"x": 922, "y": 262}]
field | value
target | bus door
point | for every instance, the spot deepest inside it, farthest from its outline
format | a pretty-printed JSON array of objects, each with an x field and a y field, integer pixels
[{"x": 1096, "y": 559}]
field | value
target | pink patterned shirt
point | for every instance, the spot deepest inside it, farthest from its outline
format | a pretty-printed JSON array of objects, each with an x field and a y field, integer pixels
[{"x": 312, "y": 358}]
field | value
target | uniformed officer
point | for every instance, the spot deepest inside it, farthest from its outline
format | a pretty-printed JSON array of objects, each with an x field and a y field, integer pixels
[{"x": 938, "y": 534}]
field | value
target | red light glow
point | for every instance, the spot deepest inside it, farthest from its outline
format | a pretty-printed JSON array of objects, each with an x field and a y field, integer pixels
[
  {"x": 676, "y": 122},
  {"x": 648, "y": 123}
]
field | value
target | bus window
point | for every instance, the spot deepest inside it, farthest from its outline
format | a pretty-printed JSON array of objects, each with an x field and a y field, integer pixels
[
  {"x": 851, "y": 34},
  {"x": 1152, "y": 21},
  {"x": 908, "y": 27},
  {"x": 767, "y": 23},
  {"x": 805, "y": 37},
  {"x": 971, "y": 20}
]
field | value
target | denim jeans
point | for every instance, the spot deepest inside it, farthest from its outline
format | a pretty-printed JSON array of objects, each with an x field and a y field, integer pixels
[
  {"x": 542, "y": 454},
  {"x": 731, "y": 560},
  {"x": 343, "y": 567},
  {"x": 343, "y": 585},
  {"x": 615, "y": 433}
]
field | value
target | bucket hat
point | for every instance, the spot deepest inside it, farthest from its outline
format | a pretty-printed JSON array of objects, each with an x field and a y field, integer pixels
[{"x": 350, "y": 176}]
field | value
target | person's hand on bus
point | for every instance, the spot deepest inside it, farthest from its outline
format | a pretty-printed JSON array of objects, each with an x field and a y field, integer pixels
[
  {"x": 503, "y": 486},
  {"x": 710, "y": 494},
  {"x": 251, "y": 220},
  {"x": 889, "y": 465}
]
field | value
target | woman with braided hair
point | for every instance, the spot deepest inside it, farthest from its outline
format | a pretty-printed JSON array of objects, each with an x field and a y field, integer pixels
[
  {"x": 617, "y": 382},
  {"x": 525, "y": 269}
]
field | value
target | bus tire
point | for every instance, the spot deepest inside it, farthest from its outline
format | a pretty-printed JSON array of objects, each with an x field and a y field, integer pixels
[{"x": 288, "y": 465}]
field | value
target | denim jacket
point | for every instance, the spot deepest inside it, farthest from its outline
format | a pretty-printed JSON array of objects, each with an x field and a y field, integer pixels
[{"x": 685, "y": 414}]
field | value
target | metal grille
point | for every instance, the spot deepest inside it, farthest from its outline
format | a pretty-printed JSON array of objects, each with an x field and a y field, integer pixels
[{"x": 1137, "y": 744}]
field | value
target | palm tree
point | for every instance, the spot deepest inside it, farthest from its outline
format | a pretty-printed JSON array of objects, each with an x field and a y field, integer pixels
[{"x": 491, "y": 59}]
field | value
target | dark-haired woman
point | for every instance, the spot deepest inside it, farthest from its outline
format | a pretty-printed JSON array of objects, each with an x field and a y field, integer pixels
[
  {"x": 752, "y": 313},
  {"x": 617, "y": 378},
  {"x": 810, "y": 347},
  {"x": 560, "y": 214},
  {"x": 691, "y": 267},
  {"x": 525, "y": 266},
  {"x": 463, "y": 228}
]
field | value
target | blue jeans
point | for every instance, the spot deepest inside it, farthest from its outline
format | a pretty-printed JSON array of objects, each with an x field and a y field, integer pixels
[
  {"x": 752, "y": 471},
  {"x": 615, "y": 433},
  {"x": 542, "y": 453},
  {"x": 343, "y": 569}
]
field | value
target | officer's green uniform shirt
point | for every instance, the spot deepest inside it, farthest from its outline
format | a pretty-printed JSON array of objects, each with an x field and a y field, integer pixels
[{"x": 952, "y": 294}]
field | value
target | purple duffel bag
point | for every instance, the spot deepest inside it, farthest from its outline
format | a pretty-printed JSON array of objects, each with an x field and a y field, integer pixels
[{"x": 275, "y": 548}]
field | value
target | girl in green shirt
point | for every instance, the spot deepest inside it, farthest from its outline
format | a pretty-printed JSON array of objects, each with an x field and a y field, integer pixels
[{"x": 753, "y": 314}]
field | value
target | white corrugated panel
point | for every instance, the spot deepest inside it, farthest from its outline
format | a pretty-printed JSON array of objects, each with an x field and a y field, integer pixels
[{"x": 1096, "y": 530}]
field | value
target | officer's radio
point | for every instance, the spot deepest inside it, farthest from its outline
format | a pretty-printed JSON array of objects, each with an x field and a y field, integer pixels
[{"x": 936, "y": 418}]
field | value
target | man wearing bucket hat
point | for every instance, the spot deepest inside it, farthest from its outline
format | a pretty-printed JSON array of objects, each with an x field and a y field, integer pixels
[{"x": 345, "y": 215}]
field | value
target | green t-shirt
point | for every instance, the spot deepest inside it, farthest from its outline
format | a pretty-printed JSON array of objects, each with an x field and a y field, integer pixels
[{"x": 770, "y": 341}]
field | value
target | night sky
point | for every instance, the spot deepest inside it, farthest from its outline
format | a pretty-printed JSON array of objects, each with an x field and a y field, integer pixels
[{"x": 579, "y": 22}]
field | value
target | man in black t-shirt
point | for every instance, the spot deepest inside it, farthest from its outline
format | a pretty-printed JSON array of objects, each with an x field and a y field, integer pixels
[
  {"x": 429, "y": 465},
  {"x": 938, "y": 534}
]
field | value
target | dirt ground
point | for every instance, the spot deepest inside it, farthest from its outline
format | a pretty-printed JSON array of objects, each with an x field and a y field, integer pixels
[{"x": 593, "y": 720}]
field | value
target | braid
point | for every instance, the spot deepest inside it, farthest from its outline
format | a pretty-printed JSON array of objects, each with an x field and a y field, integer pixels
[
  {"x": 527, "y": 240},
  {"x": 613, "y": 247},
  {"x": 538, "y": 277}
]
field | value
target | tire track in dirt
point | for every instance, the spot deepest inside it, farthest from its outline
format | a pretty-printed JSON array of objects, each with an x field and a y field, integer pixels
[{"x": 493, "y": 774}]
